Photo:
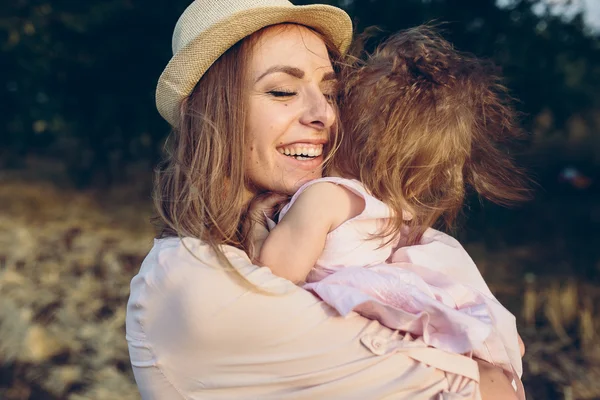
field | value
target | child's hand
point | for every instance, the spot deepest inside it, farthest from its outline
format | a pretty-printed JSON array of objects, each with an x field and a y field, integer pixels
[{"x": 254, "y": 226}]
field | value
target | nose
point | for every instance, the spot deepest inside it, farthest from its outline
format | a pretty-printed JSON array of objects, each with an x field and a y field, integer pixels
[{"x": 319, "y": 113}]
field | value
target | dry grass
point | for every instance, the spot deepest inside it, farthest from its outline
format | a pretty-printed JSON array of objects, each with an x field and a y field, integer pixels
[
  {"x": 66, "y": 260},
  {"x": 65, "y": 268},
  {"x": 559, "y": 320}
]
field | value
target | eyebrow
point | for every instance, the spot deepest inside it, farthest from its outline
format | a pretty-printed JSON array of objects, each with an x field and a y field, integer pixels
[{"x": 293, "y": 71}]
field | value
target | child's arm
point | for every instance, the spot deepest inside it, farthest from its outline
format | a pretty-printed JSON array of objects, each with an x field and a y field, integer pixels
[{"x": 295, "y": 244}]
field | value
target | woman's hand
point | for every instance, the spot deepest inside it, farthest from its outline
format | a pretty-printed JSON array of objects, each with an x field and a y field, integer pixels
[
  {"x": 254, "y": 226},
  {"x": 494, "y": 384}
]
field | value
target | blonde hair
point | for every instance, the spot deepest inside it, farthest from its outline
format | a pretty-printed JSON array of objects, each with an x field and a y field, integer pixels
[
  {"x": 422, "y": 123},
  {"x": 200, "y": 187}
]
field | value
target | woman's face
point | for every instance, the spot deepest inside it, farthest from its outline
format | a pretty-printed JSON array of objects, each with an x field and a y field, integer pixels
[{"x": 289, "y": 113}]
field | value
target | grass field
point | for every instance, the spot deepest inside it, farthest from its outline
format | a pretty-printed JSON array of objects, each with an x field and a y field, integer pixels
[{"x": 67, "y": 257}]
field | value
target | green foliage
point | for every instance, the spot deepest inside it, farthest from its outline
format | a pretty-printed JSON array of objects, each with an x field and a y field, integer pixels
[
  {"x": 78, "y": 81},
  {"x": 78, "y": 77}
]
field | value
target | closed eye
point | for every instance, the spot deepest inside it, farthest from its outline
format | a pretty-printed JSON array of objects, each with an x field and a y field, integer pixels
[{"x": 281, "y": 93}]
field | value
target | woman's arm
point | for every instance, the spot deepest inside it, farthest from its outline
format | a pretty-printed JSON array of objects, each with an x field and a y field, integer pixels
[
  {"x": 294, "y": 245},
  {"x": 197, "y": 329}
]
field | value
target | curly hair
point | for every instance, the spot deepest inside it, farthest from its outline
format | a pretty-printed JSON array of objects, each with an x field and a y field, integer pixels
[{"x": 422, "y": 123}]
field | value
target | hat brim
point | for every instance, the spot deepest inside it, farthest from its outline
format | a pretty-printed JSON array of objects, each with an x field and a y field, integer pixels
[{"x": 187, "y": 66}]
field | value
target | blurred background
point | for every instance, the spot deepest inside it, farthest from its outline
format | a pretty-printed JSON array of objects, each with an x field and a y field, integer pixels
[{"x": 79, "y": 137}]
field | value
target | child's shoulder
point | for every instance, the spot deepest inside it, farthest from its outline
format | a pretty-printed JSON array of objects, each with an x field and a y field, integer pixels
[
  {"x": 329, "y": 191},
  {"x": 335, "y": 199},
  {"x": 331, "y": 186}
]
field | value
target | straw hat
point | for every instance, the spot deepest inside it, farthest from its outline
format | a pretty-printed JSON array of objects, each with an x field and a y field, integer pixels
[{"x": 207, "y": 28}]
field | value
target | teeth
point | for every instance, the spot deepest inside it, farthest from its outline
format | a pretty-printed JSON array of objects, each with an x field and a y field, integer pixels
[{"x": 302, "y": 152}]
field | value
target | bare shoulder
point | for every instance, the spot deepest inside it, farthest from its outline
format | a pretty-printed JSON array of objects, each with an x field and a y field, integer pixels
[
  {"x": 332, "y": 201},
  {"x": 326, "y": 189}
]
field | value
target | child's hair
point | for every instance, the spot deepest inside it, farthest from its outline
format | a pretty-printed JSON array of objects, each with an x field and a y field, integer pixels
[{"x": 422, "y": 123}]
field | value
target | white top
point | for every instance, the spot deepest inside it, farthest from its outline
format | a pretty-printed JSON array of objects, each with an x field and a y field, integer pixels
[{"x": 196, "y": 331}]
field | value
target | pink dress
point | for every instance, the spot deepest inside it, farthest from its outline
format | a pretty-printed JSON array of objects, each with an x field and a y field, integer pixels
[{"x": 433, "y": 290}]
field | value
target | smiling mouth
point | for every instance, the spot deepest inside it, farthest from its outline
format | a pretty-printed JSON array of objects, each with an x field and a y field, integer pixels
[{"x": 302, "y": 151}]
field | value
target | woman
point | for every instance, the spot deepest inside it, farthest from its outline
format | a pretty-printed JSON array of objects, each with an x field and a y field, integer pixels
[{"x": 248, "y": 94}]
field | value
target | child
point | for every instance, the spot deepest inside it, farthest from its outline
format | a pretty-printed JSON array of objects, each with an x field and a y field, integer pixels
[{"x": 421, "y": 122}]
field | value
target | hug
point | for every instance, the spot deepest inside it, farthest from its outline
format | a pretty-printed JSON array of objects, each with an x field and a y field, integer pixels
[{"x": 296, "y": 257}]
